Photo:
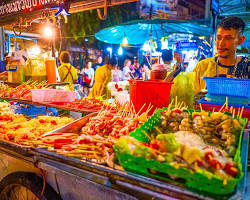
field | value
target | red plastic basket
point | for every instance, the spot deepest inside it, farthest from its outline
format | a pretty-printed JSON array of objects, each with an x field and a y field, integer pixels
[
  {"x": 151, "y": 92},
  {"x": 211, "y": 107}
]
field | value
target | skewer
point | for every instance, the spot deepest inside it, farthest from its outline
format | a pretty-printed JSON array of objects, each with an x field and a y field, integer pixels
[
  {"x": 226, "y": 102},
  {"x": 170, "y": 105},
  {"x": 137, "y": 114},
  {"x": 238, "y": 114},
  {"x": 144, "y": 132},
  {"x": 200, "y": 107},
  {"x": 241, "y": 111},
  {"x": 231, "y": 109},
  {"x": 222, "y": 107},
  {"x": 133, "y": 108},
  {"x": 175, "y": 101},
  {"x": 181, "y": 104},
  {"x": 100, "y": 141},
  {"x": 77, "y": 151},
  {"x": 233, "y": 113}
]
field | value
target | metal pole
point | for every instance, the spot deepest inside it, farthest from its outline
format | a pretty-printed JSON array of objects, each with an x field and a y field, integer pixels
[
  {"x": 2, "y": 43},
  {"x": 214, "y": 30},
  {"x": 53, "y": 47}
]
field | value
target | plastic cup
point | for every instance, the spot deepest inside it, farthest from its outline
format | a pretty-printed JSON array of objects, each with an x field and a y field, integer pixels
[{"x": 50, "y": 64}]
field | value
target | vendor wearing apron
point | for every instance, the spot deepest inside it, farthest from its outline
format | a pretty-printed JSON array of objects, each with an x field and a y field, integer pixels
[
  {"x": 66, "y": 71},
  {"x": 226, "y": 63}
]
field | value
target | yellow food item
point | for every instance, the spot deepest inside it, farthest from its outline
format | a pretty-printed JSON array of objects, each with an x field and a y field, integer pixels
[{"x": 191, "y": 154}]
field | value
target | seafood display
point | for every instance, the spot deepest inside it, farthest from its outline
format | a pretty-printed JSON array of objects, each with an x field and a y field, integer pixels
[
  {"x": 197, "y": 141},
  {"x": 5, "y": 107},
  {"x": 18, "y": 128},
  {"x": 93, "y": 104},
  {"x": 96, "y": 138},
  {"x": 218, "y": 129},
  {"x": 109, "y": 124}
]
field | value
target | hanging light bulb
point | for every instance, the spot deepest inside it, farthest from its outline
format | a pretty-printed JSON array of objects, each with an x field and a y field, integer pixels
[
  {"x": 120, "y": 51},
  {"x": 146, "y": 46},
  {"x": 164, "y": 42},
  {"x": 125, "y": 41},
  {"x": 109, "y": 49}
]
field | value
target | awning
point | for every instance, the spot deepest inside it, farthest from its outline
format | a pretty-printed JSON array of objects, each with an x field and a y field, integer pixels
[
  {"x": 234, "y": 7},
  {"x": 20, "y": 11}
]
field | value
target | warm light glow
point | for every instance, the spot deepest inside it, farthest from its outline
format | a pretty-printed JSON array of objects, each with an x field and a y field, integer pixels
[
  {"x": 125, "y": 41},
  {"x": 35, "y": 50},
  {"x": 146, "y": 47},
  {"x": 109, "y": 49},
  {"x": 120, "y": 52},
  {"x": 48, "y": 32}
]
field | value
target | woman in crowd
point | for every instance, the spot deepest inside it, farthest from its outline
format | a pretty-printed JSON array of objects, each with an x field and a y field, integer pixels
[
  {"x": 116, "y": 74},
  {"x": 126, "y": 70},
  {"x": 103, "y": 76},
  {"x": 88, "y": 75}
]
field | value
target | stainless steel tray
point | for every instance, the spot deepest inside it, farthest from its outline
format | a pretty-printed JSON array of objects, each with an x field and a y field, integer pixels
[{"x": 75, "y": 126}]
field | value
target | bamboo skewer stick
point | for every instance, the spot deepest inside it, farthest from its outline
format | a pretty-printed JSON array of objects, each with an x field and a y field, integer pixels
[
  {"x": 231, "y": 109},
  {"x": 241, "y": 111},
  {"x": 222, "y": 107},
  {"x": 181, "y": 104},
  {"x": 170, "y": 105},
  {"x": 137, "y": 114},
  {"x": 238, "y": 114},
  {"x": 226, "y": 102},
  {"x": 201, "y": 107}
]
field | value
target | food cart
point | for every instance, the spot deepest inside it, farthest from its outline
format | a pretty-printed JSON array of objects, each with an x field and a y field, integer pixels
[
  {"x": 52, "y": 176},
  {"x": 36, "y": 173}
]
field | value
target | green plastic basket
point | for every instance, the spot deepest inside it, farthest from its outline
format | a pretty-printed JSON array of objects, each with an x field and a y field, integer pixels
[{"x": 201, "y": 180}]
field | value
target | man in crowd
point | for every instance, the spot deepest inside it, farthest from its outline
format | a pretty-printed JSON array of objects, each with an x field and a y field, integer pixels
[
  {"x": 98, "y": 63},
  {"x": 227, "y": 63}
]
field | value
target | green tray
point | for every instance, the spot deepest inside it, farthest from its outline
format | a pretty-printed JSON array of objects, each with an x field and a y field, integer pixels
[{"x": 201, "y": 180}]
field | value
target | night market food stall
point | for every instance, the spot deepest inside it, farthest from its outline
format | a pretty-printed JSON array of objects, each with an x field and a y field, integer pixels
[{"x": 119, "y": 153}]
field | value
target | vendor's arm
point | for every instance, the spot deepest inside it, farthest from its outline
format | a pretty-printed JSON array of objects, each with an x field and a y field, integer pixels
[{"x": 197, "y": 84}]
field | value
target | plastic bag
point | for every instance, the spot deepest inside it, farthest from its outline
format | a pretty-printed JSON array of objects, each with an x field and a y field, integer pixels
[{"x": 183, "y": 88}]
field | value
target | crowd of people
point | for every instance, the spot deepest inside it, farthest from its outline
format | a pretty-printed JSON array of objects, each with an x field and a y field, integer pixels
[
  {"x": 131, "y": 69},
  {"x": 95, "y": 75},
  {"x": 92, "y": 71}
]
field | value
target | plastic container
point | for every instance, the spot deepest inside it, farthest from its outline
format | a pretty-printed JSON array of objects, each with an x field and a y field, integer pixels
[
  {"x": 198, "y": 181},
  {"x": 15, "y": 72},
  {"x": 32, "y": 111},
  {"x": 210, "y": 105},
  {"x": 149, "y": 92},
  {"x": 50, "y": 64},
  {"x": 228, "y": 86},
  {"x": 222, "y": 99},
  {"x": 52, "y": 96}
]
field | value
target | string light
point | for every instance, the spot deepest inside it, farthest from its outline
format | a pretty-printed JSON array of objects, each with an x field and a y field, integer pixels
[
  {"x": 125, "y": 41},
  {"x": 120, "y": 51}
]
